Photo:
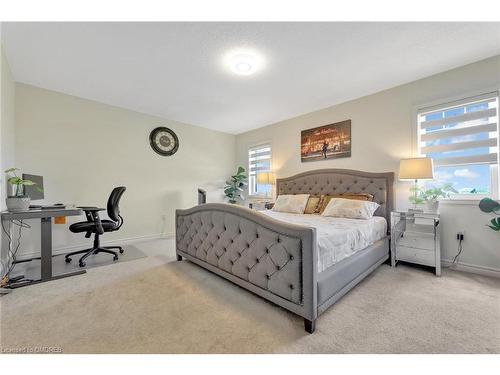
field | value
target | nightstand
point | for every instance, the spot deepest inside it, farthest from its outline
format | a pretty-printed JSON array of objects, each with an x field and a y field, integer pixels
[{"x": 415, "y": 238}]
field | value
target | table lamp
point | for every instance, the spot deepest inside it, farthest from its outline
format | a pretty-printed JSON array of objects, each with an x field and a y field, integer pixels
[
  {"x": 265, "y": 178},
  {"x": 415, "y": 169}
]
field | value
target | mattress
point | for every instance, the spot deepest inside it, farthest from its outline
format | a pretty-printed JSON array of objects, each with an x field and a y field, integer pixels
[{"x": 338, "y": 238}]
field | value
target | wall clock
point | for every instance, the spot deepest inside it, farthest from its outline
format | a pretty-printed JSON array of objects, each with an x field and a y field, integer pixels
[{"x": 164, "y": 141}]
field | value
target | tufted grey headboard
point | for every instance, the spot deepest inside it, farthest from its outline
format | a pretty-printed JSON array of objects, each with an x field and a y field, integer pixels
[{"x": 339, "y": 181}]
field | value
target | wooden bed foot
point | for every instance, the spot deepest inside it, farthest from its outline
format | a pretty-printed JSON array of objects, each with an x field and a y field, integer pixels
[
  {"x": 179, "y": 258},
  {"x": 309, "y": 325}
]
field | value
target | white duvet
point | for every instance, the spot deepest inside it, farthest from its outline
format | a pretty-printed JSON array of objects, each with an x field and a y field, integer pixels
[{"x": 338, "y": 238}]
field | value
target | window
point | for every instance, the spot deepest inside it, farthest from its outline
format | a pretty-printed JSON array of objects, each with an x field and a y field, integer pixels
[
  {"x": 259, "y": 160},
  {"x": 462, "y": 139}
]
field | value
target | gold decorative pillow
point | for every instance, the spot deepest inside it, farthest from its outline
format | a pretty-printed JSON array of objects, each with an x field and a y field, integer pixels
[
  {"x": 312, "y": 205},
  {"x": 291, "y": 203},
  {"x": 354, "y": 196}
]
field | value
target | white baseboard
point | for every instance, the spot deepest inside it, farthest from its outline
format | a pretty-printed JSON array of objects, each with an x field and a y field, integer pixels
[
  {"x": 472, "y": 268},
  {"x": 81, "y": 246}
]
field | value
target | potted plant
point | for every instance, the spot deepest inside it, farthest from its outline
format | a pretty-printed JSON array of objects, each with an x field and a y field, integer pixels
[
  {"x": 234, "y": 187},
  {"x": 431, "y": 196},
  {"x": 491, "y": 207},
  {"x": 18, "y": 201}
]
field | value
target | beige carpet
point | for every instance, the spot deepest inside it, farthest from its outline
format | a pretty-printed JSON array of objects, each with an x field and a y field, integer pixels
[{"x": 157, "y": 305}]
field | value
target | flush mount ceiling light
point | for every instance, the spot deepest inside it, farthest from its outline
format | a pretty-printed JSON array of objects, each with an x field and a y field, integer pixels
[{"x": 244, "y": 62}]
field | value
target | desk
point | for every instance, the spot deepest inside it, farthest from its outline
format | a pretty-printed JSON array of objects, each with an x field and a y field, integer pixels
[{"x": 45, "y": 217}]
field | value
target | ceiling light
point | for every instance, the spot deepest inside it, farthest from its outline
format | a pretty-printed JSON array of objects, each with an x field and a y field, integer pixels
[{"x": 244, "y": 62}]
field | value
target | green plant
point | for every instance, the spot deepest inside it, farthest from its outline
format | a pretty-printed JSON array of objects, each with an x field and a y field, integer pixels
[
  {"x": 435, "y": 193},
  {"x": 430, "y": 195},
  {"x": 490, "y": 206},
  {"x": 234, "y": 186},
  {"x": 18, "y": 182}
]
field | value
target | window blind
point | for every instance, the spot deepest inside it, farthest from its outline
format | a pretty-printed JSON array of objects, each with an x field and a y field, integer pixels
[
  {"x": 460, "y": 133},
  {"x": 259, "y": 160}
]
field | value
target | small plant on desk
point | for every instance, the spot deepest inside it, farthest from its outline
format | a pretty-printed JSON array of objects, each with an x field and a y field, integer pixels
[{"x": 18, "y": 201}]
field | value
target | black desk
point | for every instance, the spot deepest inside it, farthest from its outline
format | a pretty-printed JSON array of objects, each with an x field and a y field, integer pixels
[{"x": 45, "y": 217}]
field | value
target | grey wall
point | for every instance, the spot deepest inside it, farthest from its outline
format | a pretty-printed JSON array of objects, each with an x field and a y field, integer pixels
[
  {"x": 7, "y": 98},
  {"x": 84, "y": 148}
]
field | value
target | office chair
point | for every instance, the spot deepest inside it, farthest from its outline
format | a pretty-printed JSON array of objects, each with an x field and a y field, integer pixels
[{"x": 97, "y": 226}]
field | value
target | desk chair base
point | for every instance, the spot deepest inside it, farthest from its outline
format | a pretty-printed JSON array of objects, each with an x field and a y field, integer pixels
[{"x": 94, "y": 250}]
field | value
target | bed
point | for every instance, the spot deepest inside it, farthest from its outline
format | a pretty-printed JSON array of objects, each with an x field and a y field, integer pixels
[{"x": 290, "y": 262}]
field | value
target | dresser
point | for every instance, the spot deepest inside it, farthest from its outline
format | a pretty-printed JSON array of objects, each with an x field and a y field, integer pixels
[{"x": 415, "y": 238}]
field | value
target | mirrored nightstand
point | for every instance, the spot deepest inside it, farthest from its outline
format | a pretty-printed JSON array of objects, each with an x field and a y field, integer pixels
[{"x": 415, "y": 238}]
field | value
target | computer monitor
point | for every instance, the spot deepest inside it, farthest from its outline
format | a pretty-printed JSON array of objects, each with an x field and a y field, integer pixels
[
  {"x": 202, "y": 196},
  {"x": 35, "y": 192}
]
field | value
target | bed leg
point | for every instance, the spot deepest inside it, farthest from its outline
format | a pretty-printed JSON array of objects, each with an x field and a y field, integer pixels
[
  {"x": 309, "y": 325},
  {"x": 179, "y": 258}
]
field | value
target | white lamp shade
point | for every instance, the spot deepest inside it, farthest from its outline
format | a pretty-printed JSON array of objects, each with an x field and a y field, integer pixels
[
  {"x": 265, "y": 178},
  {"x": 416, "y": 169}
]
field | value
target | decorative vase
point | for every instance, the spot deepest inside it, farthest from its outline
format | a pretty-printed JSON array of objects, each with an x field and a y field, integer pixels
[
  {"x": 432, "y": 206},
  {"x": 21, "y": 203}
]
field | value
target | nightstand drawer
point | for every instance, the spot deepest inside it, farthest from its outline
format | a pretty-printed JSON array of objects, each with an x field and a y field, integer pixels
[
  {"x": 419, "y": 226},
  {"x": 413, "y": 255},
  {"x": 417, "y": 241}
]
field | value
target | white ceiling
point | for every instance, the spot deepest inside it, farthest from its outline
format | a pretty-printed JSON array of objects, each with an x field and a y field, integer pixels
[{"x": 175, "y": 70}]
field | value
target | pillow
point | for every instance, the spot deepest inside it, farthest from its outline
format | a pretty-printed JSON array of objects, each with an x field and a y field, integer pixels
[
  {"x": 350, "y": 208},
  {"x": 312, "y": 205},
  {"x": 292, "y": 203},
  {"x": 355, "y": 196}
]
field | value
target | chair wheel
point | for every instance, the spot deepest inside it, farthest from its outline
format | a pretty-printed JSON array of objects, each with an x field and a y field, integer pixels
[
  {"x": 67, "y": 260},
  {"x": 115, "y": 257},
  {"x": 82, "y": 264},
  {"x": 121, "y": 251}
]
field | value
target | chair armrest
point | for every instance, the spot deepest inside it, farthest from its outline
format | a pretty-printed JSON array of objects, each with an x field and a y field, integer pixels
[
  {"x": 92, "y": 214},
  {"x": 91, "y": 209}
]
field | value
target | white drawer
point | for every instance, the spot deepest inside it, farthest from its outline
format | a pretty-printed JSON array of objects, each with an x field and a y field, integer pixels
[
  {"x": 417, "y": 241},
  {"x": 420, "y": 227},
  {"x": 413, "y": 255}
]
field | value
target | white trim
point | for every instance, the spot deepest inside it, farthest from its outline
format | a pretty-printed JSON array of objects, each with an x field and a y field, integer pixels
[
  {"x": 439, "y": 101},
  {"x": 451, "y": 99},
  {"x": 472, "y": 268},
  {"x": 486, "y": 97},
  {"x": 480, "y": 93},
  {"x": 465, "y": 202},
  {"x": 250, "y": 147},
  {"x": 259, "y": 143},
  {"x": 81, "y": 246}
]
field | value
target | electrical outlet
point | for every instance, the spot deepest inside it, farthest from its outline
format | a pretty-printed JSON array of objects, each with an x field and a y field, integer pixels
[{"x": 460, "y": 236}]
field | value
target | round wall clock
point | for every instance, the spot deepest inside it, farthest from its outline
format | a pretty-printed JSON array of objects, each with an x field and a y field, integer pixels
[{"x": 164, "y": 141}]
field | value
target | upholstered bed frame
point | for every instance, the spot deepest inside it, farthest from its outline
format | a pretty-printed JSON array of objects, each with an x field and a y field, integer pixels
[{"x": 277, "y": 260}]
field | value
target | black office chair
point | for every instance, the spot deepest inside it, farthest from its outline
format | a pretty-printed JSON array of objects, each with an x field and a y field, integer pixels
[{"x": 95, "y": 225}]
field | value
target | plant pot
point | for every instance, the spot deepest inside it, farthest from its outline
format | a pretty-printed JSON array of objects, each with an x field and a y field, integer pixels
[
  {"x": 18, "y": 203},
  {"x": 432, "y": 206}
]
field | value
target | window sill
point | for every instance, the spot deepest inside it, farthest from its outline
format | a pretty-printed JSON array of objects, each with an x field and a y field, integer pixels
[{"x": 463, "y": 202}]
